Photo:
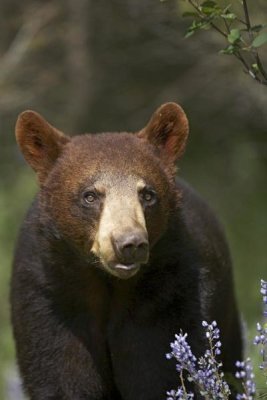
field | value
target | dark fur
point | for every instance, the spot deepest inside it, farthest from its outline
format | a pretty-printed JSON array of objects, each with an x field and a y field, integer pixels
[{"x": 83, "y": 334}]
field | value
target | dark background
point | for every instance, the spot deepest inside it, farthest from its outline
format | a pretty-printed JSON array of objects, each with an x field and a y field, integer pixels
[{"x": 106, "y": 66}]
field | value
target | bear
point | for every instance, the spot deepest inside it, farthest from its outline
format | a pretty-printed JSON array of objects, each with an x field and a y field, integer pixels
[{"x": 115, "y": 256}]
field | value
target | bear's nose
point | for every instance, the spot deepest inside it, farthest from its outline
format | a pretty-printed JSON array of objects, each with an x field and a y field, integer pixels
[{"x": 131, "y": 247}]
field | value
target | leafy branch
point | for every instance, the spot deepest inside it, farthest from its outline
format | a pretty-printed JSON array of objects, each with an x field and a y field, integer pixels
[{"x": 243, "y": 39}]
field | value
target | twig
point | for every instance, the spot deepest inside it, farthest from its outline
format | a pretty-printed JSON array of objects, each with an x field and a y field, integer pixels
[
  {"x": 226, "y": 26},
  {"x": 197, "y": 8},
  {"x": 182, "y": 383},
  {"x": 255, "y": 52},
  {"x": 259, "y": 74},
  {"x": 245, "y": 6}
]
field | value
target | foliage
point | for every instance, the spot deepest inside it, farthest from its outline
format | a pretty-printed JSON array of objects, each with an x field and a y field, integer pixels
[
  {"x": 206, "y": 372},
  {"x": 243, "y": 39},
  {"x": 101, "y": 66}
]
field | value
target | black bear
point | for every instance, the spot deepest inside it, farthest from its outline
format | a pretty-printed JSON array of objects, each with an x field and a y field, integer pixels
[{"x": 115, "y": 256}]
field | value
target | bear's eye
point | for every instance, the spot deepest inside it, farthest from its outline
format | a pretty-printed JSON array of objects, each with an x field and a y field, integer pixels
[
  {"x": 148, "y": 196},
  {"x": 89, "y": 197}
]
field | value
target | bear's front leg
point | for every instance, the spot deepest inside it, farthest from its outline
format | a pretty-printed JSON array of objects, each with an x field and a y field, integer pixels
[{"x": 55, "y": 362}]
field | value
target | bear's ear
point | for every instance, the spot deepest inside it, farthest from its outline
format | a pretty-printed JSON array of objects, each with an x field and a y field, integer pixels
[
  {"x": 39, "y": 142},
  {"x": 168, "y": 130}
]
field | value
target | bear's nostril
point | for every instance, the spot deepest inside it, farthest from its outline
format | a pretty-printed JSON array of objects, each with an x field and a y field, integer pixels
[
  {"x": 132, "y": 248},
  {"x": 128, "y": 246},
  {"x": 143, "y": 246}
]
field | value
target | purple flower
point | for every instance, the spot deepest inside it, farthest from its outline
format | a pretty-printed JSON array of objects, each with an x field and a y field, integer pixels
[
  {"x": 245, "y": 372},
  {"x": 181, "y": 351},
  {"x": 180, "y": 394},
  {"x": 210, "y": 369},
  {"x": 213, "y": 334},
  {"x": 264, "y": 296},
  {"x": 261, "y": 337},
  {"x": 205, "y": 372}
]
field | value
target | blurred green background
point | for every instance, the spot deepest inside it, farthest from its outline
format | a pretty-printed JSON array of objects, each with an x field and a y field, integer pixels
[{"x": 105, "y": 66}]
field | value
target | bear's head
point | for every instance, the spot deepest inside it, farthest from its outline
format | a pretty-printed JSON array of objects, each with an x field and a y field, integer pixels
[{"x": 108, "y": 194}]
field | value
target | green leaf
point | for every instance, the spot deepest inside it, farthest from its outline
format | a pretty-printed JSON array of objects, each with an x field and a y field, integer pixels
[
  {"x": 195, "y": 26},
  {"x": 255, "y": 67},
  {"x": 229, "y": 50},
  {"x": 234, "y": 36},
  {"x": 208, "y": 10},
  {"x": 231, "y": 16},
  {"x": 188, "y": 34},
  {"x": 210, "y": 7},
  {"x": 260, "y": 40},
  {"x": 257, "y": 28}
]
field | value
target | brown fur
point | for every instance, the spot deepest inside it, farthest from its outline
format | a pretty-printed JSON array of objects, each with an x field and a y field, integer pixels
[
  {"x": 40, "y": 142},
  {"x": 94, "y": 311},
  {"x": 168, "y": 130}
]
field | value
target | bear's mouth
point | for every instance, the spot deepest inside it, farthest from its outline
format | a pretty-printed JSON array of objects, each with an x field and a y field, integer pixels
[{"x": 123, "y": 271}]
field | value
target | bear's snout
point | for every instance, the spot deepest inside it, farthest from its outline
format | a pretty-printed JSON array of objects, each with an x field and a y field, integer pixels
[{"x": 131, "y": 247}]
